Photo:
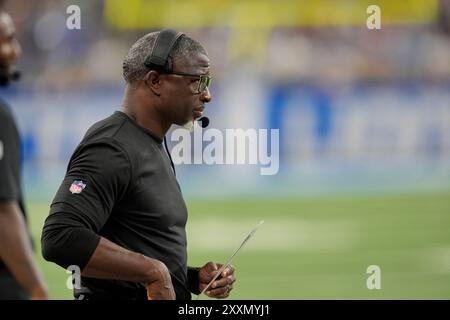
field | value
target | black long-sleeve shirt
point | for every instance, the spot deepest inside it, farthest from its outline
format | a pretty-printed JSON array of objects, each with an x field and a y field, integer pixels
[{"x": 120, "y": 185}]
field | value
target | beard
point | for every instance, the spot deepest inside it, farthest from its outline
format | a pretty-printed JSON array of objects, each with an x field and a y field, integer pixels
[{"x": 189, "y": 126}]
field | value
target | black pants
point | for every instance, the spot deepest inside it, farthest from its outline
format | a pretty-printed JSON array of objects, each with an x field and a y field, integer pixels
[{"x": 9, "y": 288}]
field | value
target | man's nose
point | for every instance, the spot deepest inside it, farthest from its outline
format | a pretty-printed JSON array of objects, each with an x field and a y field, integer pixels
[{"x": 205, "y": 96}]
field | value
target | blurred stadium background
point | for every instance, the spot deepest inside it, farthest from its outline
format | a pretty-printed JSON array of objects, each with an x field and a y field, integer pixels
[{"x": 364, "y": 119}]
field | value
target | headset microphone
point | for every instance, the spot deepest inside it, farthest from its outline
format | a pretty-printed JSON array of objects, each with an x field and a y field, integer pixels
[
  {"x": 203, "y": 121},
  {"x": 8, "y": 75},
  {"x": 15, "y": 75}
]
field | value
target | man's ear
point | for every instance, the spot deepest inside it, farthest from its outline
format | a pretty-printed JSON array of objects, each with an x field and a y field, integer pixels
[{"x": 153, "y": 82}]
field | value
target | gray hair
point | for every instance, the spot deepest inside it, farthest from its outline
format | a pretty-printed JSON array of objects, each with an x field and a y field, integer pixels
[{"x": 134, "y": 68}]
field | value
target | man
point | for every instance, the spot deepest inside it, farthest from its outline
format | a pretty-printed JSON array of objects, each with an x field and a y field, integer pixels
[
  {"x": 19, "y": 275},
  {"x": 119, "y": 214}
]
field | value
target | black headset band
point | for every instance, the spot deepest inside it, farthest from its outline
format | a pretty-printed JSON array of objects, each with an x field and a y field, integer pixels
[{"x": 158, "y": 59}]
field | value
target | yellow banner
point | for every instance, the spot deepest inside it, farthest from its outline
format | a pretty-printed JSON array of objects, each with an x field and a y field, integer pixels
[{"x": 153, "y": 14}]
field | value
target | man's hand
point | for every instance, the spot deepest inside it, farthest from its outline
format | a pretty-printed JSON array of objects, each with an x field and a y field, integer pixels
[
  {"x": 162, "y": 288},
  {"x": 222, "y": 286}
]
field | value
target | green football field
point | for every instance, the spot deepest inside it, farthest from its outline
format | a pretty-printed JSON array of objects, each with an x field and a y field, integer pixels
[{"x": 315, "y": 248}]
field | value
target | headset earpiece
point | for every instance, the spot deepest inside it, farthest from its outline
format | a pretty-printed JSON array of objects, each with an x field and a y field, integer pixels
[{"x": 158, "y": 59}]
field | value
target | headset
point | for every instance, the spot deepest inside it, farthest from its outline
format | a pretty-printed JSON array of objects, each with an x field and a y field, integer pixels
[
  {"x": 158, "y": 59},
  {"x": 8, "y": 75}
]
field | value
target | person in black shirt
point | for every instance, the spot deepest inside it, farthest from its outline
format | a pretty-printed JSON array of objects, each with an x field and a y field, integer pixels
[
  {"x": 19, "y": 274},
  {"x": 119, "y": 215}
]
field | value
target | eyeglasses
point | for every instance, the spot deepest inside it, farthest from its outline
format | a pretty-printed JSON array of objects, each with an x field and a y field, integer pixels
[{"x": 204, "y": 81}]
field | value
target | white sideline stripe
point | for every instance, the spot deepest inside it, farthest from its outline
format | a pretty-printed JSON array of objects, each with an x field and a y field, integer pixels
[{"x": 275, "y": 234}]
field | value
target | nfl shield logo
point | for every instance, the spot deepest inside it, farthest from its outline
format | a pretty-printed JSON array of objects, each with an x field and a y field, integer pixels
[{"x": 77, "y": 186}]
